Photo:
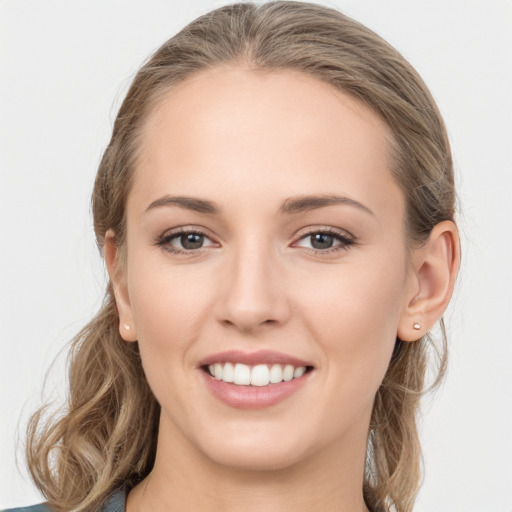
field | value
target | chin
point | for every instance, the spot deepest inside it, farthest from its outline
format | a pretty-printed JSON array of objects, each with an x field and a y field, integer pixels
[
  {"x": 255, "y": 460},
  {"x": 260, "y": 449}
]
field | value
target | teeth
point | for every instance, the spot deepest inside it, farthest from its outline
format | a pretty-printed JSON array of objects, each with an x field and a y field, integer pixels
[
  {"x": 259, "y": 375},
  {"x": 228, "y": 373},
  {"x": 299, "y": 371},
  {"x": 288, "y": 372},
  {"x": 276, "y": 374},
  {"x": 242, "y": 374}
]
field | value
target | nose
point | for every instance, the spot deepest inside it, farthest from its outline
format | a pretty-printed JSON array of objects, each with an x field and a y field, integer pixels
[{"x": 252, "y": 292}]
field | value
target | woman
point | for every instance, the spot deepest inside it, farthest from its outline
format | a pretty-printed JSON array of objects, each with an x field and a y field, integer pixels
[{"x": 276, "y": 212}]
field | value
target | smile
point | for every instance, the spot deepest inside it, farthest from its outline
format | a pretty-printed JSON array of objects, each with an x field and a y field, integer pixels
[
  {"x": 259, "y": 375},
  {"x": 254, "y": 380}
]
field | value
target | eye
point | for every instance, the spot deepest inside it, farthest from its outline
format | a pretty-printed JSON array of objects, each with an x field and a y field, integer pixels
[
  {"x": 192, "y": 241},
  {"x": 183, "y": 241},
  {"x": 326, "y": 241}
]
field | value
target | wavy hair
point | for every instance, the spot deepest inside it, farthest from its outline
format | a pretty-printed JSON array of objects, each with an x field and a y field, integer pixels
[{"x": 105, "y": 436}]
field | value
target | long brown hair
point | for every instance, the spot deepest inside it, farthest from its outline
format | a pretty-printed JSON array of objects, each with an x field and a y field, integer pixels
[{"x": 105, "y": 437}]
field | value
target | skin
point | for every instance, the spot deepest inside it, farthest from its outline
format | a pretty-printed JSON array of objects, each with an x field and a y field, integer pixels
[{"x": 248, "y": 141}]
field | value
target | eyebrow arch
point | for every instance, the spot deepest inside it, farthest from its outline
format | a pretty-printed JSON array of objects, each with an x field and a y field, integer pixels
[
  {"x": 292, "y": 205},
  {"x": 190, "y": 203},
  {"x": 305, "y": 203}
]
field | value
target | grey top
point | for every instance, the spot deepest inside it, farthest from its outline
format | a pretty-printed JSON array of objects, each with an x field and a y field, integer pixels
[{"x": 116, "y": 503}]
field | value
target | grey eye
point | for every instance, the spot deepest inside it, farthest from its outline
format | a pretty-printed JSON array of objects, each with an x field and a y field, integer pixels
[
  {"x": 191, "y": 241},
  {"x": 321, "y": 240}
]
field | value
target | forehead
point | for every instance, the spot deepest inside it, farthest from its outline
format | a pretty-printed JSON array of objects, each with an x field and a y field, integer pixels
[{"x": 246, "y": 132}]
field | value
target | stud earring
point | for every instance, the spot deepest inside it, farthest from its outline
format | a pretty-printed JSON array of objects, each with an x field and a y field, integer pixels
[
  {"x": 127, "y": 327},
  {"x": 417, "y": 326}
]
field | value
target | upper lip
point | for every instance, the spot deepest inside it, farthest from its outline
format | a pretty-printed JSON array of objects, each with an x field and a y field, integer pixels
[{"x": 253, "y": 358}]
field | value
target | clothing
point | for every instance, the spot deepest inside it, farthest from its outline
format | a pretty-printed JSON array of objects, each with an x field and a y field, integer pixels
[{"x": 116, "y": 503}]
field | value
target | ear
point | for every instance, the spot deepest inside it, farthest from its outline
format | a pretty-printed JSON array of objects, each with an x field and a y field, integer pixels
[
  {"x": 118, "y": 279},
  {"x": 434, "y": 269}
]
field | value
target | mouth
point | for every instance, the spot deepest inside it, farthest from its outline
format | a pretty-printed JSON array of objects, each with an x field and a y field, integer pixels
[
  {"x": 256, "y": 380},
  {"x": 258, "y": 375}
]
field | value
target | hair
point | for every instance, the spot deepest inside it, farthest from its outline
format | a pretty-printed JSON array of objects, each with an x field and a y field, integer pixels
[{"x": 105, "y": 437}]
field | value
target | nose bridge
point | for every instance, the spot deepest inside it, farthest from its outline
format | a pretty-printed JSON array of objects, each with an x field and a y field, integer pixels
[{"x": 252, "y": 293}]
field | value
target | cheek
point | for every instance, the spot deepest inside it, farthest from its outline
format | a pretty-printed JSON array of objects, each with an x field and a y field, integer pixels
[
  {"x": 357, "y": 298},
  {"x": 354, "y": 317},
  {"x": 168, "y": 304},
  {"x": 168, "y": 311}
]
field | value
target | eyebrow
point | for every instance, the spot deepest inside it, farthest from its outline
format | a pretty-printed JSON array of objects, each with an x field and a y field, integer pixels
[{"x": 292, "y": 205}]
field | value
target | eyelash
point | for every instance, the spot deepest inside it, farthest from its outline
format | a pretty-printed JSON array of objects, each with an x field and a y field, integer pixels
[{"x": 345, "y": 242}]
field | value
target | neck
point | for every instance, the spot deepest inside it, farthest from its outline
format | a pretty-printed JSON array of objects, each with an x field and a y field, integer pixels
[{"x": 184, "y": 479}]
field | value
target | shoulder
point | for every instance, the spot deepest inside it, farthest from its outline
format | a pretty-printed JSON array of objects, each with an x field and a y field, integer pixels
[{"x": 116, "y": 503}]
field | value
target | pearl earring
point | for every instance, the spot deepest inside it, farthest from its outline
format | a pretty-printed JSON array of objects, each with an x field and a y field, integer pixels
[
  {"x": 127, "y": 327},
  {"x": 417, "y": 326}
]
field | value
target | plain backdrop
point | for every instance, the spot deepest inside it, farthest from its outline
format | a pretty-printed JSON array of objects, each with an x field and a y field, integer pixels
[{"x": 64, "y": 68}]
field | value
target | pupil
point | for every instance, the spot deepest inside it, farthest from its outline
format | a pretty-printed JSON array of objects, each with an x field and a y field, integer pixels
[
  {"x": 322, "y": 241},
  {"x": 191, "y": 241}
]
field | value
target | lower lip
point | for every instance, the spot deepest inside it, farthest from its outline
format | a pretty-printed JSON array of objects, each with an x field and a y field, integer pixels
[{"x": 253, "y": 397}]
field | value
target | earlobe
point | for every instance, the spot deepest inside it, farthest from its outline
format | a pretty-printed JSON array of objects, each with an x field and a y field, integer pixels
[
  {"x": 118, "y": 280},
  {"x": 436, "y": 265}
]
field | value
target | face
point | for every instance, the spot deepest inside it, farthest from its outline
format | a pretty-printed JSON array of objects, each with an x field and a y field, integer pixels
[{"x": 264, "y": 230}]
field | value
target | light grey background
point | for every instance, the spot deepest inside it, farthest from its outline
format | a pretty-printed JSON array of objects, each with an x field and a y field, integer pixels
[{"x": 64, "y": 67}]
